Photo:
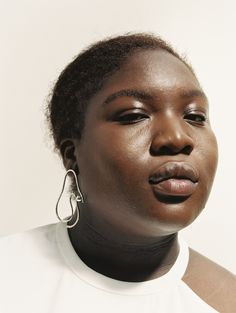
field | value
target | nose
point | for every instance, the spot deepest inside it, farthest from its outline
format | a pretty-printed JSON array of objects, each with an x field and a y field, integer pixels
[{"x": 171, "y": 138}]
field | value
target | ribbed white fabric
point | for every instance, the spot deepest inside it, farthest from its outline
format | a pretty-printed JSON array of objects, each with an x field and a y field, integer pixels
[{"x": 41, "y": 273}]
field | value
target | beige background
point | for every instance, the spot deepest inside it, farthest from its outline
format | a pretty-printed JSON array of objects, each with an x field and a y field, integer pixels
[{"x": 38, "y": 38}]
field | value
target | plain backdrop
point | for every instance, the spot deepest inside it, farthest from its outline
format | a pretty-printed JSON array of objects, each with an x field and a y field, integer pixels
[{"x": 38, "y": 38}]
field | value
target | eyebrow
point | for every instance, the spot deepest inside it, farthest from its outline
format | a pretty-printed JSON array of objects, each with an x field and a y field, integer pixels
[
  {"x": 193, "y": 93},
  {"x": 144, "y": 96},
  {"x": 138, "y": 94}
]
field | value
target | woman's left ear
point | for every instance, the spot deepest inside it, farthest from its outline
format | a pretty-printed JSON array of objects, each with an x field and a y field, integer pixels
[{"x": 67, "y": 149}]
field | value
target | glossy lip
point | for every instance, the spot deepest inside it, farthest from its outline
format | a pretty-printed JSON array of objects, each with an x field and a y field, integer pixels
[
  {"x": 174, "y": 182},
  {"x": 178, "y": 170}
]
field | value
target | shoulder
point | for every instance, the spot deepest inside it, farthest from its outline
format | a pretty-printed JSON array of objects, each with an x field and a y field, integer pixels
[
  {"x": 212, "y": 283},
  {"x": 31, "y": 267},
  {"x": 37, "y": 234},
  {"x": 28, "y": 246}
]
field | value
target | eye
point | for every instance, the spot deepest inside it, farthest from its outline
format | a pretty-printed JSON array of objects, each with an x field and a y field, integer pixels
[
  {"x": 196, "y": 118},
  {"x": 131, "y": 118}
]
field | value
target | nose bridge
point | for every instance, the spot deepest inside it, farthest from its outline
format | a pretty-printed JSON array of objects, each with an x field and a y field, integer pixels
[
  {"x": 170, "y": 133},
  {"x": 172, "y": 128}
]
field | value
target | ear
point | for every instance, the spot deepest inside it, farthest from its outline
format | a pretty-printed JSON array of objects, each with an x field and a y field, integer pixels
[{"x": 67, "y": 149}]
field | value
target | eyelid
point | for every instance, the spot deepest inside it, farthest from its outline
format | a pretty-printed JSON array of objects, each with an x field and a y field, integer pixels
[
  {"x": 196, "y": 108},
  {"x": 130, "y": 116},
  {"x": 192, "y": 117},
  {"x": 199, "y": 111},
  {"x": 133, "y": 110}
]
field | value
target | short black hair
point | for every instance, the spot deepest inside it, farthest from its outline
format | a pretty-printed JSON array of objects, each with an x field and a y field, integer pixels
[{"x": 85, "y": 76}]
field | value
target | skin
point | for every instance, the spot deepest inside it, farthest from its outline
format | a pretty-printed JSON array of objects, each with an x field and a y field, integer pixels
[{"x": 125, "y": 230}]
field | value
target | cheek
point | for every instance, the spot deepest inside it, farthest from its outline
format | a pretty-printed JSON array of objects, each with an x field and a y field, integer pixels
[
  {"x": 112, "y": 161},
  {"x": 128, "y": 159},
  {"x": 210, "y": 154},
  {"x": 208, "y": 159},
  {"x": 122, "y": 147}
]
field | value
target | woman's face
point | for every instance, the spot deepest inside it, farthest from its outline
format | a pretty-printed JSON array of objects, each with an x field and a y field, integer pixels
[{"x": 148, "y": 156}]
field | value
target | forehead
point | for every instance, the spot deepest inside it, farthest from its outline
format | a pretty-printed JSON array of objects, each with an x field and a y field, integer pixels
[{"x": 152, "y": 70}]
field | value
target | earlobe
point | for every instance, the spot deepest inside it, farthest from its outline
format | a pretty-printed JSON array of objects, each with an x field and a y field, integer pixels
[{"x": 67, "y": 149}]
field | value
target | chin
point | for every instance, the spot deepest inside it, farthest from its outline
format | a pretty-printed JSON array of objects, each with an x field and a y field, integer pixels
[{"x": 173, "y": 217}]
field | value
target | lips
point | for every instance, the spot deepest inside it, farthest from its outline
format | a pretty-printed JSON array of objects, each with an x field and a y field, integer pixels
[{"x": 174, "y": 179}]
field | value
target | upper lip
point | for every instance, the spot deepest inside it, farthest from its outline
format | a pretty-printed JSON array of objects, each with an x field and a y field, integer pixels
[{"x": 179, "y": 170}]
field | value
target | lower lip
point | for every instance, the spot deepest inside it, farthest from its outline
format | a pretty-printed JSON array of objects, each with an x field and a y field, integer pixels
[{"x": 175, "y": 187}]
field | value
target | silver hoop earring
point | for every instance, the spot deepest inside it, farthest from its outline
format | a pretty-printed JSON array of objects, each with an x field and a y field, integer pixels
[{"x": 73, "y": 197}]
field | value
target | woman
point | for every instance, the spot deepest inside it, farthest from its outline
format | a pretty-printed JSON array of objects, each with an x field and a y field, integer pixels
[{"x": 131, "y": 123}]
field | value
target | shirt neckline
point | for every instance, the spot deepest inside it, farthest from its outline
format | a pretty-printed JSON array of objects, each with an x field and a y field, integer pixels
[{"x": 100, "y": 281}]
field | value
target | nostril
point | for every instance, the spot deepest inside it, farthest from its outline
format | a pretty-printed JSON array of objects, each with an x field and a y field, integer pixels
[
  {"x": 171, "y": 150},
  {"x": 163, "y": 150},
  {"x": 187, "y": 149}
]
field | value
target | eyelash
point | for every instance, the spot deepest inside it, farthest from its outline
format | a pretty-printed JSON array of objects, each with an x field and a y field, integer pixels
[
  {"x": 131, "y": 118},
  {"x": 196, "y": 118}
]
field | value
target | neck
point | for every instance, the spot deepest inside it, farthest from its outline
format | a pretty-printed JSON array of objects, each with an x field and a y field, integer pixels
[{"x": 127, "y": 260}]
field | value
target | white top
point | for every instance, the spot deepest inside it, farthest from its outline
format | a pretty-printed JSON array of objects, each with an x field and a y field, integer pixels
[{"x": 41, "y": 273}]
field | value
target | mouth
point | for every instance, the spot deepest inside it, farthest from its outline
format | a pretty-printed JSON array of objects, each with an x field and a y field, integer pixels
[{"x": 174, "y": 181}]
